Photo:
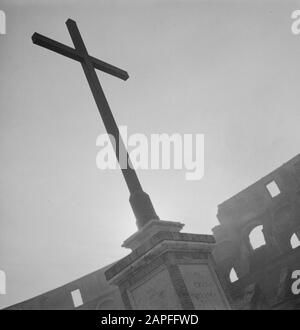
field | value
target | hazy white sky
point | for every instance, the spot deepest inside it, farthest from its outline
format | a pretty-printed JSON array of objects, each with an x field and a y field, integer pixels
[{"x": 228, "y": 69}]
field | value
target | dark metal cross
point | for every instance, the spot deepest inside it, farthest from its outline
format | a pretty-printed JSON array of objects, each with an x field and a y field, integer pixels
[{"x": 139, "y": 200}]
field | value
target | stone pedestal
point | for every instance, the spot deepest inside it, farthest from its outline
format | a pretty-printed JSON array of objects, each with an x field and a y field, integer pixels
[{"x": 168, "y": 270}]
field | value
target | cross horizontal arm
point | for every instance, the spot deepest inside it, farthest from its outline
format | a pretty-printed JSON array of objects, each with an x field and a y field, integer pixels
[{"x": 72, "y": 53}]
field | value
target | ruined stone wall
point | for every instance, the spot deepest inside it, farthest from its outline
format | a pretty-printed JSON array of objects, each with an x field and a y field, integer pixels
[
  {"x": 258, "y": 237},
  {"x": 93, "y": 289}
]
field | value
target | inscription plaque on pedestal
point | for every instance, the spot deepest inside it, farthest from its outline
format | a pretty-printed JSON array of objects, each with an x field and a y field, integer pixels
[{"x": 203, "y": 287}]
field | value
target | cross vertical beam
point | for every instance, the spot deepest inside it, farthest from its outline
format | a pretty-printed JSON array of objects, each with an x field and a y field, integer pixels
[
  {"x": 103, "y": 106},
  {"x": 139, "y": 200}
]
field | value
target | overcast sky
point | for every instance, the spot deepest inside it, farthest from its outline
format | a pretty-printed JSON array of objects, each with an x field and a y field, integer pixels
[{"x": 227, "y": 69}]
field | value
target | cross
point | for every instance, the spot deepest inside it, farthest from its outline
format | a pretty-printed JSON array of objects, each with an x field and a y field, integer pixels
[{"x": 139, "y": 200}]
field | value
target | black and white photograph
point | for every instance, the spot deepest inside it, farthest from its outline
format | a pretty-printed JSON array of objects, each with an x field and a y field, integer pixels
[{"x": 149, "y": 157}]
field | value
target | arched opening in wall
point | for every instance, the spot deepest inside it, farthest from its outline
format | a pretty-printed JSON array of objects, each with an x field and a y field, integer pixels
[
  {"x": 233, "y": 276},
  {"x": 273, "y": 189},
  {"x": 257, "y": 238},
  {"x": 295, "y": 242},
  {"x": 76, "y": 297},
  {"x": 2, "y": 22},
  {"x": 2, "y": 282}
]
